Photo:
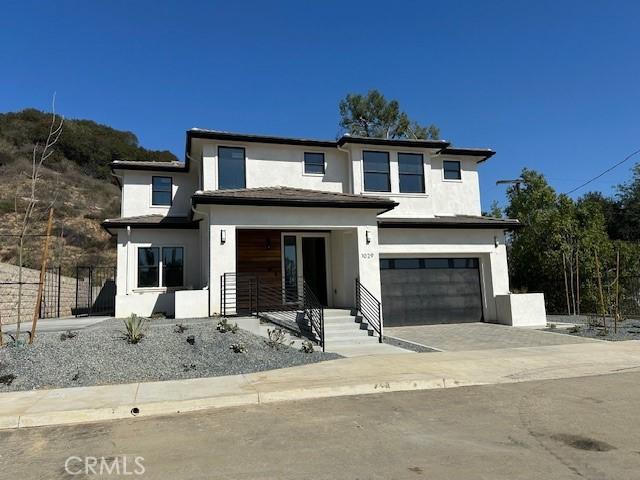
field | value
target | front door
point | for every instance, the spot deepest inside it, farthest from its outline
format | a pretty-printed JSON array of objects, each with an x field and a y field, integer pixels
[{"x": 314, "y": 266}]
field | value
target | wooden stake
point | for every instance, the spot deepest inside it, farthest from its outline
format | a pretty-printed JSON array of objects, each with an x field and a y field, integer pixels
[
  {"x": 602, "y": 307},
  {"x": 578, "y": 280},
  {"x": 43, "y": 270},
  {"x": 566, "y": 285},
  {"x": 617, "y": 314}
]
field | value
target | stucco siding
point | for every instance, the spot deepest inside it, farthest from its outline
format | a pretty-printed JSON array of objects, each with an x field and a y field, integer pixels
[{"x": 136, "y": 193}]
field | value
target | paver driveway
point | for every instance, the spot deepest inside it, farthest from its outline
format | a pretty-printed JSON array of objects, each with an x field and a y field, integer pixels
[{"x": 479, "y": 336}]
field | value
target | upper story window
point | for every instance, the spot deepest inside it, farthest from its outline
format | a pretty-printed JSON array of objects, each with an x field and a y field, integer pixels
[
  {"x": 231, "y": 168},
  {"x": 314, "y": 162},
  {"x": 161, "y": 191},
  {"x": 411, "y": 172},
  {"x": 451, "y": 170},
  {"x": 152, "y": 268},
  {"x": 376, "y": 171}
]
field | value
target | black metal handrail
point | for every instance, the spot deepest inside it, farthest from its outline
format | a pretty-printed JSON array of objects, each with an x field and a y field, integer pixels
[
  {"x": 314, "y": 311},
  {"x": 245, "y": 293},
  {"x": 370, "y": 308}
]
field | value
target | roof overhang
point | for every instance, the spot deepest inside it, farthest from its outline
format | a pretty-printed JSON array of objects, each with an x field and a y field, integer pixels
[
  {"x": 482, "y": 153},
  {"x": 172, "y": 223},
  {"x": 393, "y": 142},
  {"x": 452, "y": 223}
]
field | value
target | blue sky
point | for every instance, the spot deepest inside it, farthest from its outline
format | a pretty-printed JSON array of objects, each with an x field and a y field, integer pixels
[{"x": 550, "y": 85}]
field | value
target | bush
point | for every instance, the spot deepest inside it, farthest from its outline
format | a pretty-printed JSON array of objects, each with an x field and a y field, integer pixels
[
  {"x": 134, "y": 328},
  {"x": 224, "y": 326},
  {"x": 67, "y": 335},
  {"x": 179, "y": 328},
  {"x": 307, "y": 347},
  {"x": 276, "y": 338},
  {"x": 238, "y": 347}
]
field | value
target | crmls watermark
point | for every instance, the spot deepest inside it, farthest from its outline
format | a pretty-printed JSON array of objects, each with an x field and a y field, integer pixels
[{"x": 118, "y": 465}]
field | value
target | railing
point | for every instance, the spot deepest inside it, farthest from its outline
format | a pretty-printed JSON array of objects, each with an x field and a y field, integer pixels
[
  {"x": 248, "y": 294},
  {"x": 370, "y": 308}
]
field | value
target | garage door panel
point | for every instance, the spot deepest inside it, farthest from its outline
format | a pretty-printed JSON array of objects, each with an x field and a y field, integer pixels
[{"x": 431, "y": 295}]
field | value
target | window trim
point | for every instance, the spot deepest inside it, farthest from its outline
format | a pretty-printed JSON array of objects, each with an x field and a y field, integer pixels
[
  {"x": 304, "y": 163},
  {"x": 364, "y": 172},
  {"x": 423, "y": 174},
  {"x": 244, "y": 153},
  {"x": 459, "y": 171},
  {"x": 153, "y": 177},
  {"x": 160, "y": 287}
]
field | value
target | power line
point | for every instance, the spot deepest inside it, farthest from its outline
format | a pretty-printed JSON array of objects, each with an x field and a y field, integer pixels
[{"x": 605, "y": 172}]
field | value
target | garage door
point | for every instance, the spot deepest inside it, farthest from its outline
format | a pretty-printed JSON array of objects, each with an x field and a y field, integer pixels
[{"x": 423, "y": 291}]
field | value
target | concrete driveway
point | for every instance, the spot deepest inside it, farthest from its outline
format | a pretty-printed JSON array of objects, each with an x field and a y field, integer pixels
[{"x": 479, "y": 336}]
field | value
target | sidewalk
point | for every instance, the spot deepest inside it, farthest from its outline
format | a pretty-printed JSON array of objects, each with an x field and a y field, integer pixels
[{"x": 349, "y": 376}]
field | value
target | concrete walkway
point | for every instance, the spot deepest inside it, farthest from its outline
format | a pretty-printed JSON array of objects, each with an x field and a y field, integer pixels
[
  {"x": 57, "y": 324},
  {"x": 349, "y": 376},
  {"x": 480, "y": 336}
]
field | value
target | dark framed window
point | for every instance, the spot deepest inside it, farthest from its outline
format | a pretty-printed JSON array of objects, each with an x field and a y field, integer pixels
[
  {"x": 161, "y": 191},
  {"x": 172, "y": 266},
  {"x": 451, "y": 170},
  {"x": 411, "y": 172},
  {"x": 376, "y": 171},
  {"x": 148, "y": 267},
  {"x": 314, "y": 162},
  {"x": 231, "y": 168}
]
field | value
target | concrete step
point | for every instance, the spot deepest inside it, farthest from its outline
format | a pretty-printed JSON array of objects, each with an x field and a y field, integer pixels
[
  {"x": 333, "y": 312},
  {"x": 365, "y": 340}
]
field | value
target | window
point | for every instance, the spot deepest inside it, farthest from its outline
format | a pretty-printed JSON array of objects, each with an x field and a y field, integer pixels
[
  {"x": 152, "y": 268},
  {"x": 376, "y": 171},
  {"x": 148, "y": 267},
  {"x": 427, "y": 263},
  {"x": 161, "y": 191},
  {"x": 411, "y": 171},
  {"x": 451, "y": 170},
  {"x": 172, "y": 266},
  {"x": 231, "y": 168},
  {"x": 314, "y": 162}
]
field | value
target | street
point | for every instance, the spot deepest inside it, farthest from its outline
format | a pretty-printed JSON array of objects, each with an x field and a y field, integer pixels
[{"x": 559, "y": 429}]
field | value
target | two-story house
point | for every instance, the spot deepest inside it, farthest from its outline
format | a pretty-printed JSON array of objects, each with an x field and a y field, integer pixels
[{"x": 400, "y": 216}]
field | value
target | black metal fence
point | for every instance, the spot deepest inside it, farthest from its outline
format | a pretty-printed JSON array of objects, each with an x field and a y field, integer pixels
[
  {"x": 370, "y": 308},
  {"x": 95, "y": 290},
  {"x": 51, "y": 293}
]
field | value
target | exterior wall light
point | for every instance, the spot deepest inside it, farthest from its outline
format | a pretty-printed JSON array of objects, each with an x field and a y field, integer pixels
[
  {"x": 495, "y": 241},
  {"x": 223, "y": 236},
  {"x": 368, "y": 237}
]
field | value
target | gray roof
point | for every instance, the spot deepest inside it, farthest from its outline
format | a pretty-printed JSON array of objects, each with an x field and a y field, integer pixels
[
  {"x": 150, "y": 221},
  {"x": 454, "y": 221},
  {"x": 287, "y": 196}
]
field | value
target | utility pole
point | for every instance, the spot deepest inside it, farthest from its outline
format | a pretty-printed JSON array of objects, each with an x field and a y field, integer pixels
[{"x": 516, "y": 182}]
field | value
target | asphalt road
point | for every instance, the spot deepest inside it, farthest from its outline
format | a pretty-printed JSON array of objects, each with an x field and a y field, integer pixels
[{"x": 584, "y": 428}]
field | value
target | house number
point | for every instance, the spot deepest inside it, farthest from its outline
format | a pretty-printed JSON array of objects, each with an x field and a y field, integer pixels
[{"x": 366, "y": 255}]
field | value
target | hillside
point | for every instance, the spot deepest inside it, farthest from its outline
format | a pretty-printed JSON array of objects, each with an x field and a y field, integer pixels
[{"x": 76, "y": 180}]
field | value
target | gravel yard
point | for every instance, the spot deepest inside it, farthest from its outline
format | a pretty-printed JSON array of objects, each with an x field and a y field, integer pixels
[
  {"x": 99, "y": 355},
  {"x": 592, "y": 327}
]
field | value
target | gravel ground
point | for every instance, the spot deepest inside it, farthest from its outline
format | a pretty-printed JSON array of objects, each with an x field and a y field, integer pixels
[
  {"x": 99, "y": 356},
  {"x": 627, "y": 329}
]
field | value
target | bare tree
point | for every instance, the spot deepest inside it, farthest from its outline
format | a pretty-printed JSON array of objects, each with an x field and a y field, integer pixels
[{"x": 40, "y": 155}]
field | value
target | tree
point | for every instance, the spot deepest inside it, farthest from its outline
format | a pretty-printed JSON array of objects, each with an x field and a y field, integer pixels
[
  {"x": 372, "y": 115},
  {"x": 494, "y": 210},
  {"x": 30, "y": 200},
  {"x": 554, "y": 252}
]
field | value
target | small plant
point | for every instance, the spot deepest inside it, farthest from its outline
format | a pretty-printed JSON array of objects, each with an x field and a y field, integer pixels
[
  {"x": 224, "y": 326},
  {"x": 307, "y": 347},
  {"x": 188, "y": 366},
  {"x": 180, "y": 328},
  {"x": 158, "y": 315},
  {"x": 238, "y": 347},
  {"x": 7, "y": 379},
  {"x": 191, "y": 340},
  {"x": 574, "y": 329},
  {"x": 276, "y": 338},
  {"x": 552, "y": 326},
  {"x": 75, "y": 377},
  {"x": 134, "y": 329},
  {"x": 68, "y": 335}
]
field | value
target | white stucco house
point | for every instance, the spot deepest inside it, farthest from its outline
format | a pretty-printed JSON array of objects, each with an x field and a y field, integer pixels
[{"x": 249, "y": 221}]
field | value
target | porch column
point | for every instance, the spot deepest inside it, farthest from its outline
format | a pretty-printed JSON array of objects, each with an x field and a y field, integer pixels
[
  {"x": 369, "y": 259},
  {"x": 222, "y": 260}
]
